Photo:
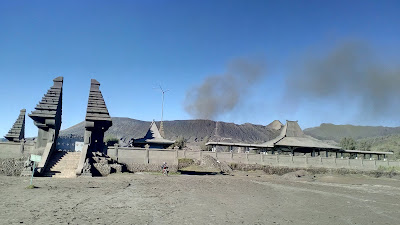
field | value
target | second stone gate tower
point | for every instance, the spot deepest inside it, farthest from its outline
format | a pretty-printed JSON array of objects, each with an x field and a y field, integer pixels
[{"x": 97, "y": 119}]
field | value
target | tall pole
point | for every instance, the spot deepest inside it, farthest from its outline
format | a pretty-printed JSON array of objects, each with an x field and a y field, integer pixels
[
  {"x": 162, "y": 103},
  {"x": 162, "y": 111}
]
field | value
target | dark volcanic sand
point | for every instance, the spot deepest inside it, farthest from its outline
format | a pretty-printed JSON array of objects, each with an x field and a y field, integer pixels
[{"x": 181, "y": 199}]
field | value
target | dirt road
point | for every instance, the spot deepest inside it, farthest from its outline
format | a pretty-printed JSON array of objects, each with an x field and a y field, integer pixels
[{"x": 245, "y": 198}]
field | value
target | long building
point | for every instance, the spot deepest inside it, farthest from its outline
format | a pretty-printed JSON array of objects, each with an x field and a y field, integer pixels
[{"x": 292, "y": 140}]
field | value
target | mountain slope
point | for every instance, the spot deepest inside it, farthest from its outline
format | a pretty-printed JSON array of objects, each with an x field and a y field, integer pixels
[
  {"x": 385, "y": 143},
  {"x": 192, "y": 130},
  {"x": 327, "y": 131},
  {"x": 379, "y": 138}
]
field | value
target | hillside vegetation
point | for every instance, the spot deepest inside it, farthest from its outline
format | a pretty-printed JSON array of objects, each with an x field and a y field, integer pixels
[
  {"x": 327, "y": 131},
  {"x": 385, "y": 143}
]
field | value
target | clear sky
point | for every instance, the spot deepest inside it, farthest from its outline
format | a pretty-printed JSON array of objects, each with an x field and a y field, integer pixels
[{"x": 132, "y": 46}]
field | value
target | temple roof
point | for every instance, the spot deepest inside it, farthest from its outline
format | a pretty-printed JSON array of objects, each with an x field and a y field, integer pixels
[
  {"x": 96, "y": 109},
  {"x": 153, "y": 136},
  {"x": 293, "y": 135}
]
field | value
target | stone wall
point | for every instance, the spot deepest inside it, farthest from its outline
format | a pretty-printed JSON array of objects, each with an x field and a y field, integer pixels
[
  {"x": 141, "y": 159},
  {"x": 138, "y": 159},
  {"x": 15, "y": 150}
]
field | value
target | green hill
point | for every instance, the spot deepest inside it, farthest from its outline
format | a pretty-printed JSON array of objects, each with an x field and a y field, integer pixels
[{"x": 385, "y": 143}]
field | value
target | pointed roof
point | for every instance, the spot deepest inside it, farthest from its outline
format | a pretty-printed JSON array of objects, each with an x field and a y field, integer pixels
[
  {"x": 96, "y": 109},
  {"x": 153, "y": 131},
  {"x": 17, "y": 132},
  {"x": 293, "y": 135},
  {"x": 50, "y": 107},
  {"x": 153, "y": 136}
]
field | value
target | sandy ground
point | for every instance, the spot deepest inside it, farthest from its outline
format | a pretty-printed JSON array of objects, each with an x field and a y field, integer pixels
[{"x": 245, "y": 198}]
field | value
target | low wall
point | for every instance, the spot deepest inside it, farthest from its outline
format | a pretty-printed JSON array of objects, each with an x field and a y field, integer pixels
[
  {"x": 153, "y": 158},
  {"x": 13, "y": 156},
  {"x": 141, "y": 159},
  {"x": 306, "y": 161},
  {"x": 15, "y": 150}
]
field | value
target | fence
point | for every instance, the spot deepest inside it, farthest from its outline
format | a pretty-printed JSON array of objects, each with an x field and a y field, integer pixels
[{"x": 158, "y": 156}]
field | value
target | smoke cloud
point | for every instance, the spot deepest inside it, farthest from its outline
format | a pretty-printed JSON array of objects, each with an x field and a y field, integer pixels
[
  {"x": 348, "y": 75},
  {"x": 220, "y": 94}
]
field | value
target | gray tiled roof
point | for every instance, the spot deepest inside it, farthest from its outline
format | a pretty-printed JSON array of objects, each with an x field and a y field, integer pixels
[{"x": 292, "y": 135}]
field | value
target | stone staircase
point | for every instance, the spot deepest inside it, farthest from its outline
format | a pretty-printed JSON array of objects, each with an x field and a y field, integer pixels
[{"x": 63, "y": 164}]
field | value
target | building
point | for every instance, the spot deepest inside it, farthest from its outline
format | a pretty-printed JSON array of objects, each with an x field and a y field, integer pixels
[
  {"x": 153, "y": 138},
  {"x": 292, "y": 140}
]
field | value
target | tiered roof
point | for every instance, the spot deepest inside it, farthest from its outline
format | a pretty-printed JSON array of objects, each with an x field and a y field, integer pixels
[
  {"x": 97, "y": 109},
  {"x": 49, "y": 108},
  {"x": 292, "y": 135},
  {"x": 153, "y": 136},
  {"x": 17, "y": 132}
]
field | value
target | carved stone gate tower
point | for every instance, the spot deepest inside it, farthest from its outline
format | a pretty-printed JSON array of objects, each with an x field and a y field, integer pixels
[
  {"x": 47, "y": 117},
  {"x": 97, "y": 122}
]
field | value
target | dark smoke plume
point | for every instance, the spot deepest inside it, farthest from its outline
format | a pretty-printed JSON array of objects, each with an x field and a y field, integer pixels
[
  {"x": 349, "y": 75},
  {"x": 219, "y": 94}
]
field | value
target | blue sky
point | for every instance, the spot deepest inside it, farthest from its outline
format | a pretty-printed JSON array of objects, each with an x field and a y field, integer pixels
[{"x": 132, "y": 46}]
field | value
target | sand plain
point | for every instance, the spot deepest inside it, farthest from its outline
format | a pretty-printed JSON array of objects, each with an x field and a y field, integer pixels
[{"x": 244, "y": 198}]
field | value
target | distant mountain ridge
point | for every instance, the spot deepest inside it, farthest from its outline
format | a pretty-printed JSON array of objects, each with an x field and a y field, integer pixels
[
  {"x": 328, "y": 131},
  {"x": 196, "y": 130},
  {"x": 192, "y": 130}
]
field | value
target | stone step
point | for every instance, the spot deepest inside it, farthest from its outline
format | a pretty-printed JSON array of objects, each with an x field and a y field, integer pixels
[
  {"x": 63, "y": 159},
  {"x": 63, "y": 165},
  {"x": 66, "y": 159},
  {"x": 66, "y": 163},
  {"x": 69, "y": 156},
  {"x": 64, "y": 170}
]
